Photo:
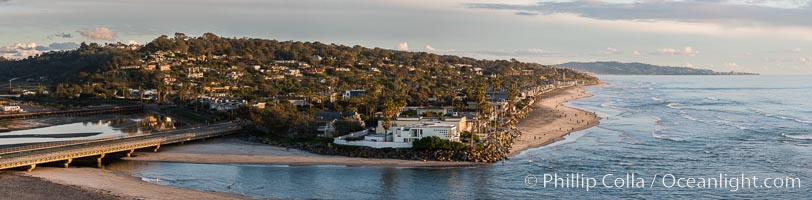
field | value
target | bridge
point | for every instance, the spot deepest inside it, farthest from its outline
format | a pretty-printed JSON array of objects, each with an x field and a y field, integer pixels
[
  {"x": 31, "y": 155},
  {"x": 76, "y": 112}
]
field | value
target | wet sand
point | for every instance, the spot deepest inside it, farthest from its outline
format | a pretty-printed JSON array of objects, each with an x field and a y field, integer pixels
[
  {"x": 550, "y": 121},
  {"x": 23, "y": 187},
  {"x": 235, "y": 151},
  {"x": 95, "y": 183}
]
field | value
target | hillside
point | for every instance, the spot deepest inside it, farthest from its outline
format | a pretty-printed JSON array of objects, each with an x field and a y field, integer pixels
[
  {"x": 180, "y": 68},
  {"x": 618, "y": 68}
]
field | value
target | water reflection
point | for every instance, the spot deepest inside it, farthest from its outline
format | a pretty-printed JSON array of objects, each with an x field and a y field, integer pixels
[
  {"x": 651, "y": 125},
  {"x": 301, "y": 182},
  {"x": 91, "y": 128}
]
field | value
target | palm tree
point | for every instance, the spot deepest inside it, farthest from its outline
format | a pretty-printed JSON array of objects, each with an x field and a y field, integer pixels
[{"x": 389, "y": 109}]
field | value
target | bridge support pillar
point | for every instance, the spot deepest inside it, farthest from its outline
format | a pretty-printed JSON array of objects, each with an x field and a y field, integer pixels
[
  {"x": 99, "y": 160},
  {"x": 32, "y": 167},
  {"x": 67, "y": 162},
  {"x": 130, "y": 153},
  {"x": 157, "y": 147}
]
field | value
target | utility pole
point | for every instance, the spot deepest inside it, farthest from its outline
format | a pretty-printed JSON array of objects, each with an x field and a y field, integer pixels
[{"x": 9, "y": 84}]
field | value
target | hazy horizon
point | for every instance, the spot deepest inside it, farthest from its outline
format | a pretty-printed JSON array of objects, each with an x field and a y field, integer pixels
[{"x": 749, "y": 36}]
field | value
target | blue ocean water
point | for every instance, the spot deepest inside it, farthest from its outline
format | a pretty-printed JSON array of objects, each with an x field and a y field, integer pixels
[{"x": 652, "y": 126}]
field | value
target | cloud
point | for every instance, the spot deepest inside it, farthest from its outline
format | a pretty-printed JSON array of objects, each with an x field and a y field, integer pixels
[
  {"x": 686, "y": 51},
  {"x": 522, "y": 13},
  {"x": 713, "y": 11},
  {"x": 608, "y": 51},
  {"x": 24, "y": 50},
  {"x": 689, "y": 65},
  {"x": 132, "y": 42},
  {"x": 720, "y": 18},
  {"x": 59, "y": 35},
  {"x": 63, "y": 46},
  {"x": 636, "y": 53},
  {"x": 403, "y": 46},
  {"x": 19, "y": 50},
  {"x": 530, "y": 52},
  {"x": 101, "y": 33},
  {"x": 499, "y": 53}
]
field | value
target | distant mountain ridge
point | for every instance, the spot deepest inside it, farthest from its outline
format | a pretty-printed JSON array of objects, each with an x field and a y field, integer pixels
[{"x": 618, "y": 68}]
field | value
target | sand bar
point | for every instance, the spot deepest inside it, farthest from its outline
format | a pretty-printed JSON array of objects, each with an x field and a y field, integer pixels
[{"x": 550, "y": 121}]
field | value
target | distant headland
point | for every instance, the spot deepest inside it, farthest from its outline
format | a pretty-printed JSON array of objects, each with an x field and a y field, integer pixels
[{"x": 619, "y": 68}]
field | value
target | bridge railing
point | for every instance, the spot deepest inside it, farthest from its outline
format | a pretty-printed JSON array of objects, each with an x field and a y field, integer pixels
[
  {"x": 48, "y": 145},
  {"x": 111, "y": 146},
  {"x": 71, "y": 112}
]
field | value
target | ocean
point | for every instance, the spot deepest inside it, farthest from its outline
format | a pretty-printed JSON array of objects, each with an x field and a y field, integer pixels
[{"x": 659, "y": 137}]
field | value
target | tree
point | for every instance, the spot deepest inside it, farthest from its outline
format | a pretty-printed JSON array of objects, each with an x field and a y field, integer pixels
[
  {"x": 436, "y": 143},
  {"x": 470, "y": 137},
  {"x": 389, "y": 111}
]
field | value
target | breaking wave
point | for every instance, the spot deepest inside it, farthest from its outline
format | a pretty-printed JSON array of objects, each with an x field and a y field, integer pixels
[{"x": 800, "y": 137}]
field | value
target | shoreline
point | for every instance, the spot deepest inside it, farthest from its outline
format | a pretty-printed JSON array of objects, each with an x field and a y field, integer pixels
[
  {"x": 115, "y": 185},
  {"x": 548, "y": 122},
  {"x": 236, "y": 151},
  {"x": 551, "y": 120}
]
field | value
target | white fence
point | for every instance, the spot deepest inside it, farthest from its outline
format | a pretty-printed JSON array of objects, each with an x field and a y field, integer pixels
[{"x": 372, "y": 144}]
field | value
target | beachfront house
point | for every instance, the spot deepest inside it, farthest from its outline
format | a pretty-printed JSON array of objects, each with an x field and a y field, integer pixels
[
  {"x": 325, "y": 121},
  {"x": 401, "y": 136},
  {"x": 461, "y": 123},
  {"x": 409, "y": 134}
]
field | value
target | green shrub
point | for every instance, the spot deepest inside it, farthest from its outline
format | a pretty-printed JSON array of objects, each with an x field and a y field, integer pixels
[
  {"x": 435, "y": 143},
  {"x": 468, "y": 135}
]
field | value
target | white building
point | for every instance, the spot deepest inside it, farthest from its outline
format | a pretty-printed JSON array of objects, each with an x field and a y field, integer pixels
[
  {"x": 462, "y": 123},
  {"x": 352, "y": 93},
  {"x": 195, "y": 75},
  {"x": 410, "y": 134},
  {"x": 12, "y": 109},
  {"x": 402, "y": 136}
]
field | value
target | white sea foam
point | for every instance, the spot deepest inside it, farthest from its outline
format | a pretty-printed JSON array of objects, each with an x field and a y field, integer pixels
[
  {"x": 728, "y": 123},
  {"x": 782, "y": 117},
  {"x": 800, "y": 137},
  {"x": 692, "y": 118},
  {"x": 662, "y": 136}
]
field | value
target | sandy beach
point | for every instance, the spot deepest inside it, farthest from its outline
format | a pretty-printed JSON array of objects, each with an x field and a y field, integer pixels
[
  {"x": 235, "y": 151},
  {"x": 23, "y": 187},
  {"x": 550, "y": 121},
  {"x": 100, "y": 184}
]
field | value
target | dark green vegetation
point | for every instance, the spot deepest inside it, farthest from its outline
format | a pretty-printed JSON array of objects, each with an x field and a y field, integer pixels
[
  {"x": 434, "y": 142},
  {"x": 618, "y": 68}
]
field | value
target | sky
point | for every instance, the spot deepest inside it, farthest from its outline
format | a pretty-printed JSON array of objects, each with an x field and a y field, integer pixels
[{"x": 768, "y": 37}]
